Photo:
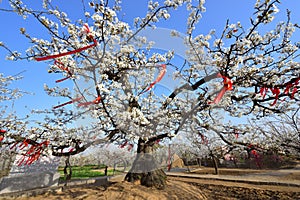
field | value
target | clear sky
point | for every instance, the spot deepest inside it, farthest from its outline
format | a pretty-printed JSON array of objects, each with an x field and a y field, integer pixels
[{"x": 35, "y": 75}]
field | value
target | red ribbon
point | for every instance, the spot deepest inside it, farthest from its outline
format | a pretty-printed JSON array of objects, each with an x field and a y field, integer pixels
[
  {"x": 288, "y": 87},
  {"x": 96, "y": 101},
  {"x": 33, "y": 153},
  {"x": 130, "y": 146},
  {"x": 63, "y": 79},
  {"x": 263, "y": 91},
  {"x": 295, "y": 89},
  {"x": 294, "y": 92},
  {"x": 61, "y": 66},
  {"x": 159, "y": 77},
  {"x": 24, "y": 144},
  {"x": 236, "y": 134},
  {"x": 87, "y": 31},
  {"x": 1, "y": 136},
  {"x": 13, "y": 146},
  {"x": 67, "y": 53},
  {"x": 33, "y": 158},
  {"x": 227, "y": 86},
  {"x": 124, "y": 144},
  {"x": 69, "y": 102},
  {"x": 203, "y": 138},
  {"x": 276, "y": 91},
  {"x": 254, "y": 152},
  {"x": 21, "y": 161}
]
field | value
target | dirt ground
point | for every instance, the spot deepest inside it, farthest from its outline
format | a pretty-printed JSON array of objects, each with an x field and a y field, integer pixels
[
  {"x": 223, "y": 190},
  {"x": 180, "y": 189},
  {"x": 177, "y": 189}
]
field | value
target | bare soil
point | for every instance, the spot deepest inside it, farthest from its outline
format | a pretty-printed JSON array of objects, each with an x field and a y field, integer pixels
[
  {"x": 224, "y": 190},
  {"x": 180, "y": 189}
]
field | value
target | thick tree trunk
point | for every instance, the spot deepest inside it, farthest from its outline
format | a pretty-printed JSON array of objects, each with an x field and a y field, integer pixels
[{"x": 145, "y": 169}]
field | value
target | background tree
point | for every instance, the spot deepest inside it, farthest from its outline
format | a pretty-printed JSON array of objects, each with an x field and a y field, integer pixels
[
  {"x": 281, "y": 133},
  {"x": 9, "y": 122}
]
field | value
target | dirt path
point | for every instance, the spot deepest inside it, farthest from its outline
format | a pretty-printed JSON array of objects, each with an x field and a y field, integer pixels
[
  {"x": 216, "y": 183},
  {"x": 289, "y": 177},
  {"x": 231, "y": 190}
]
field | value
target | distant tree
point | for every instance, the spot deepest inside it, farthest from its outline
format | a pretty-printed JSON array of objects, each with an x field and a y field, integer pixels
[
  {"x": 281, "y": 134},
  {"x": 10, "y": 124},
  {"x": 18, "y": 135}
]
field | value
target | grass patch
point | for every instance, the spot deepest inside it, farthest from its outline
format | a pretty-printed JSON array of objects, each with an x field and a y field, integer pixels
[{"x": 88, "y": 171}]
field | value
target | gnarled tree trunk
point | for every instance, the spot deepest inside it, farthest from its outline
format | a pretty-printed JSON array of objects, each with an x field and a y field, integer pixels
[{"x": 145, "y": 169}]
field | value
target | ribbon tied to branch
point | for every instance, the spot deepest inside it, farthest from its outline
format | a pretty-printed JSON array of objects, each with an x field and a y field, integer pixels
[
  {"x": 87, "y": 31},
  {"x": 159, "y": 77},
  {"x": 290, "y": 90},
  {"x": 227, "y": 85},
  {"x": 82, "y": 104},
  {"x": 66, "y": 103},
  {"x": 33, "y": 153},
  {"x": 61, "y": 66},
  {"x": 96, "y": 101}
]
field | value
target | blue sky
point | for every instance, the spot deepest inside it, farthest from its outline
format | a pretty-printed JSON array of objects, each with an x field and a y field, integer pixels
[{"x": 35, "y": 75}]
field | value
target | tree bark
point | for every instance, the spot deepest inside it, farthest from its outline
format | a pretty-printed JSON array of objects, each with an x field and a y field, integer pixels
[
  {"x": 215, "y": 163},
  {"x": 145, "y": 169},
  {"x": 68, "y": 176}
]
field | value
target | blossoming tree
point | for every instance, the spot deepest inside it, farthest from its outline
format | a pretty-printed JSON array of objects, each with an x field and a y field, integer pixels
[
  {"x": 243, "y": 71},
  {"x": 281, "y": 133},
  {"x": 7, "y": 94}
]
